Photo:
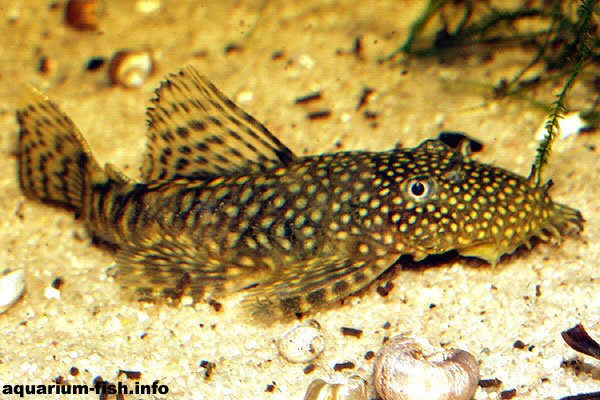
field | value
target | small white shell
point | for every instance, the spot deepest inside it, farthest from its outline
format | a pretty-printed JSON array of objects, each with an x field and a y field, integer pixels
[
  {"x": 355, "y": 389},
  {"x": 403, "y": 370},
  {"x": 12, "y": 285},
  {"x": 302, "y": 344},
  {"x": 131, "y": 69}
]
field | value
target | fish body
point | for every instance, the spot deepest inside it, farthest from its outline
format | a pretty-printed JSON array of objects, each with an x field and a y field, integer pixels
[{"x": 223, "y": 205}]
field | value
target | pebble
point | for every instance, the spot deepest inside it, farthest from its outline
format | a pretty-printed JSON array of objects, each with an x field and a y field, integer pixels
[
  {"x": 83, "y": 15},
  {"x": 131, "y": 69},
  {"x": 147, "y": 6},
  {"x": 244, "y": 96},
  {"x": 47, "y": 65},
  {"x": 51, "y": 293}
]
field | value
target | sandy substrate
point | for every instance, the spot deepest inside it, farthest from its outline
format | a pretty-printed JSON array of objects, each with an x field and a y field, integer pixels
[{"x": 283, "y": 50}]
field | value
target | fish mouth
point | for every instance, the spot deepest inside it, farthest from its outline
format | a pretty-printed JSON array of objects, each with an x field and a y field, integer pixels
[
  {"x": 561, "y": 221},
  {"x": 566, "y": 218}
]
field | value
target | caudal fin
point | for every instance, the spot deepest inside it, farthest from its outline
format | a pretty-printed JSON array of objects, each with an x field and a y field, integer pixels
[{"x": 54, "y": 160}]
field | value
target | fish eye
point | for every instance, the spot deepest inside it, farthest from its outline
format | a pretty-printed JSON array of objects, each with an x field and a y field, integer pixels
[{"x": 419, "y": 188}]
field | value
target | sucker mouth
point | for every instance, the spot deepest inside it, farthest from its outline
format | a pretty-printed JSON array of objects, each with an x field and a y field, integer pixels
[
  {"x": 566, "y": 218},
  {"x": 561, "y": 221}
]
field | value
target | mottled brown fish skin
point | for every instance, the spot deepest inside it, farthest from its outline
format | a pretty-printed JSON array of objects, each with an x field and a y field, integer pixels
[{"x": 296, "y": 232}]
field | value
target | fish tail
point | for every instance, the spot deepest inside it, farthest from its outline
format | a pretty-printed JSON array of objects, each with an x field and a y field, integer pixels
[{"x": 55, "y": 164}]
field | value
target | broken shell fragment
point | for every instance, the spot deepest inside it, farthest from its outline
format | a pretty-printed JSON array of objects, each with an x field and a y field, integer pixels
[
  {"x": 302, "y": 344},
  {"x": 12, "y": 285},
  {"x": 131, "y": 69},
  {"x": 407, "y": 369},
  {"x": 355, "y": 389}
]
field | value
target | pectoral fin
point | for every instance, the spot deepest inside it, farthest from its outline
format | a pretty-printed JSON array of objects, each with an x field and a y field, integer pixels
[
  {"x": 170, "y": 265},
  {"x": 299, "y": 287}
]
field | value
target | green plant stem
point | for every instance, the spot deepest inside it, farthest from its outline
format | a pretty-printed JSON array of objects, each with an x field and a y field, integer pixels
[{"x": 543, "y": 151}]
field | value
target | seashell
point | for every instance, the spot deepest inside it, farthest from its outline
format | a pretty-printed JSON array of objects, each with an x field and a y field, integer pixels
[
  {"x": 131, "y": 69},
  {"x": 407, "y": 369},
  {"x": 12, "y": 285},
  {"x": 354, "y": 389},
  {"x": 83, "y": 14},
  {"x": 302, "y": 344}
]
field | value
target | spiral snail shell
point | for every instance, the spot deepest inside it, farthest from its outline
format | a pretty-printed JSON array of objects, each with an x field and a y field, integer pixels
[
  {"x": 354, "y": 389},
  {"x": 406, "y": 370}
]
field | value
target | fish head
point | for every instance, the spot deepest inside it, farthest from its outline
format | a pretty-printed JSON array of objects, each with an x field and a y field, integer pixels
[{"x": 449, "y": 201}]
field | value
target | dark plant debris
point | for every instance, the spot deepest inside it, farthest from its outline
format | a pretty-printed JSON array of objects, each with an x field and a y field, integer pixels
[
  {"x": 233, "y": 48},
  {"x": 364, "y": 97},
  {"x": 209, "y": 367},
  {"x": 322, "y": 114},
  {"x": 309, "y": 368},
  {"x": 344, "y": 365},
  {"x": 95, "y": 63},
  {"x": 135, "y": 375},
  {"x": 215, "y": 305},
  {"x": 357, "y": 333},
  {"x": 490, "y": 383},
  {"x": 508, "y": 394},
  {"x": 271, "y": 387},
  {"x": 583, "y": 396},
  {"x": 578, "y": 339},
  {"x": 308, "y": 98},
  {"x": 57, "y": 283}
]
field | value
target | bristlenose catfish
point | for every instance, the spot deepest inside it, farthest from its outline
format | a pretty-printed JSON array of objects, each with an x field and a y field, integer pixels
[{"x": 223, "y": 205}]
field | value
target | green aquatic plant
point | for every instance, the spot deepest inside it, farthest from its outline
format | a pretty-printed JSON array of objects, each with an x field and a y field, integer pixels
[
  {"x": 566, "y": 43},
  {"x": 582, "y": 40}
]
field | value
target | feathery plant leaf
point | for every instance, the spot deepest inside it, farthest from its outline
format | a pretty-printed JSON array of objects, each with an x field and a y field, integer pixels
[
  {"x": 417, "y": 27},
  {"x": 559, "y": 108}
]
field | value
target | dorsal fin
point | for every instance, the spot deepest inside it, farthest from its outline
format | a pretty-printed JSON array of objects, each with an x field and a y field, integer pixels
[
  {"x": 116, "y": 175},
  {"x": 194, "y": 131}
]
